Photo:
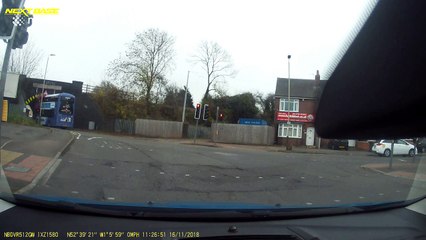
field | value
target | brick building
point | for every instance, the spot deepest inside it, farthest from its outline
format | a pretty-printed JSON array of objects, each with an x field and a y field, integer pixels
[{"x": 304, "y": 96}]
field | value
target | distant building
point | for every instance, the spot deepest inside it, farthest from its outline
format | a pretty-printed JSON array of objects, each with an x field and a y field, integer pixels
[{"x": 295, "y": 118}]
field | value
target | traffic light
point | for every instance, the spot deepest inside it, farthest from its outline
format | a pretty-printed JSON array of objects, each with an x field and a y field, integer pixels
[
  {"x": 221, "y": 116},
  {"x": 7, "y": 20},
  {"x": 206, "y": 112},
  {"x": 197, "y": 111},
  {"x": 21, "y": 36}
]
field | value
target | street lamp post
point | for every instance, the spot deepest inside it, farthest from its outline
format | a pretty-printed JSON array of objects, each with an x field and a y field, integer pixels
[
  {"x": 44, "y": 82},
  {"x": 288, "y": 106}
]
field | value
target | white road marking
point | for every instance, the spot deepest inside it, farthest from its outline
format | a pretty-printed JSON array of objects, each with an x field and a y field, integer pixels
[
  {"x": 113, "y": 167},
  {"x": 102, "y": 146},
  {"x": 302, "y": 177},
  {"x": 110, "y": 146},
  {"x": 187, "y": 175},
  {"x": 226, "y": 154},
  {"x": 212, "y": 176},
  {"x": 402, "y": 160},
  {"x": 260, "y": 177},
  {"x": 237, "y": 176},
  {"x": 337, "y": 200},
  {"x": 129, "y": 148},
  {"x": 320, "y": 176},
  {"x": 308, "y": 203},
  {"x": 161, "y": 173},
  {"x": 105, "y": 143},
  {"x": 397, "y": 191},
  {"x": 381, "y": 194},
  {"x": 137, "y": 170},
  {"x": 282, "y": 177},
  {"x": 361, "y": 197},
  {"x": 74, "y": 192},
  {"x": 93, "y": 138},
  {"x": 70, "y": 161},
  {"x": 8, "y": 141},
  {"x": 151, "y": 150},
  {"x": 111, "y": 198}
]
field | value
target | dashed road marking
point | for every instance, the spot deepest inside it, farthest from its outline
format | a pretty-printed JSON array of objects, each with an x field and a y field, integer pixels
[
  {"x": 308, "y": 203},
  {"x": 380, "y": 194},
  {"x": 282, "y": 177},
  {"x": 74, "y": 192},
  {"x": 89, "y": 139},
  {"x": 137, "y": 170},
  {"x": 70, "y": 161},
  {"x": 105, "y": 142},
  {"x": 337, "y": 200},
  {"x": 260, "y": 177},
  {"x": 111, "y": 198},
  {"x": 162, "y": 173},
  {"x": 187, "y": 175},
  {"x": 212, "y": 176},
  {"x": 237, "y": 177},
  {"x": 129, "y": 148},
  {"x": 320, "y": 176},
  {"x": 361, "y": 197},
  {"x": 102, "y": 146},
  {"x": 302, "y": 177},
  {"x": 112, "y": 167}
]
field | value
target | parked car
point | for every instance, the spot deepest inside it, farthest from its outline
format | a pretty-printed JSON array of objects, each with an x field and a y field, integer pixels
[
  {"x": 401, "y": 147},
  {"x": 337, "y": 144},
  {"x": 421, "y": 145}
]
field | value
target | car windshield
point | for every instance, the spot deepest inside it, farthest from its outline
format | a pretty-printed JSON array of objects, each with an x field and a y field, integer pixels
[{"x": 200, "y": 104}]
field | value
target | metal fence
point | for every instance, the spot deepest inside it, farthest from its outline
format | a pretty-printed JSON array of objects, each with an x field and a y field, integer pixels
[
  {"x": 124, "y": 126},
  {"x": 157, "y": 128},
  {"x": 202, "y": 132},
  {"x": 243, "y": 134}
]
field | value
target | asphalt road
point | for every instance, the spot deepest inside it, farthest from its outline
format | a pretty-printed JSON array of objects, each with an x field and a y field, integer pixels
[{"x": 132, "y": 169}]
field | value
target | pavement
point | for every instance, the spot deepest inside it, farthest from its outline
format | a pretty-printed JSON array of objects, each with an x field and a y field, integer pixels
[{"x": 28, "y": 153}]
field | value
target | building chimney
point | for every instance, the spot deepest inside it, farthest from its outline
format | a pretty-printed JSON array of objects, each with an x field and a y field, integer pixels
[{"x": 317, "y": 79}]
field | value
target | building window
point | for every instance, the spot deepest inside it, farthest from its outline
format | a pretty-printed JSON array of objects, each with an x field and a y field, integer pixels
[
  {"x": 289, "y": 106},
  {"x": 292, "y": 130}
]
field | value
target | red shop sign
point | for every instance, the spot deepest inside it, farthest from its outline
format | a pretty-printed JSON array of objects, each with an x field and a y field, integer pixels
[{"x": 295, "y": 117}]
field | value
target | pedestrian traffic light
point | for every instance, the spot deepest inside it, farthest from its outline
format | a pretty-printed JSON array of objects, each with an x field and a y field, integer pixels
[
  {"x": 22, "y": 22},
  {"x": 206, "y": 112},
  {"x": 197, "y": 111},
  {"x": 7, "y": 19}
]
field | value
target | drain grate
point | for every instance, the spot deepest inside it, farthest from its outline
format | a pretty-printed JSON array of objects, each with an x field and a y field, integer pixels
[{"x": 17, "y": 169}]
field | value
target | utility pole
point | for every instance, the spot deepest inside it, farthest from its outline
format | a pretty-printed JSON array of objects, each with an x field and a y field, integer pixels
[
  {"x": 288, "y": 106},
  {"x": 4, "y": 70},
  {"x": 184, "y": 101}
]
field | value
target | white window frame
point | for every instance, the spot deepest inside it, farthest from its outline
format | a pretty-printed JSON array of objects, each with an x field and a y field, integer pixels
[
  {"x": 294, "y": 103},
  {"x": 295, "y": 130}
]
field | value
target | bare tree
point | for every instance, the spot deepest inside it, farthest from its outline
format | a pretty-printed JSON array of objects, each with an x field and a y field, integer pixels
[
  {"x": 26, "y": 61},
  {"x": 147, "y": 60},
  {"x": 216, "y": 62}
]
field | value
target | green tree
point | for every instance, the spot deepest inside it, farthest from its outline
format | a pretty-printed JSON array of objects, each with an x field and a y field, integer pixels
[
  {"x": 236, "y": 107},
  {"x": 267, "y": 105}
]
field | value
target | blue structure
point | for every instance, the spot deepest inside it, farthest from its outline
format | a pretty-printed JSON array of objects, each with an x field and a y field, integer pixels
[
  {"x": 58, "y": 110},
  {"x": 252, "y": 121}
]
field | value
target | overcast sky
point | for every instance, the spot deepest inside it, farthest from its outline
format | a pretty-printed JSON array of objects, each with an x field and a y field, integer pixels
[{"x": 87, "y": 35}]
